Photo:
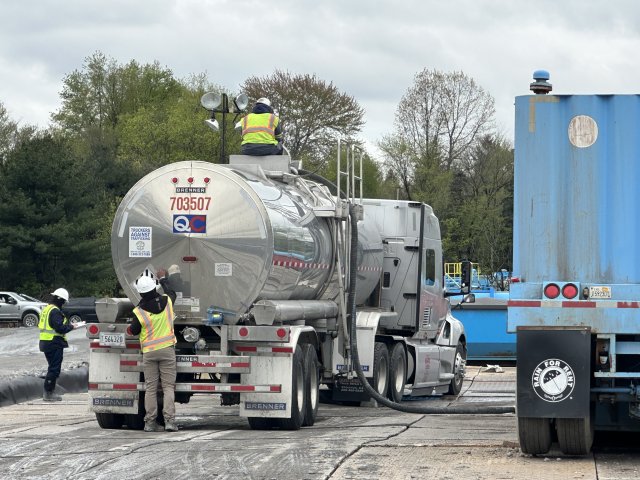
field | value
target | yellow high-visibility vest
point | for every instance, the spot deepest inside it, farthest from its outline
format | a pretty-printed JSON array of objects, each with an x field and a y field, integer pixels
[
  {"x": 157, "y": 328},
  {"x": 46, "y": 332},
  {"x": 259, "y": 128}
]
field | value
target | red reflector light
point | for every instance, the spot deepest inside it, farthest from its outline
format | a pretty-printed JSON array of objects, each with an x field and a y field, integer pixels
[
  {"x": 551, "y": 291},
  {"x": 243, "y": 331},
  {"x": 93, "y": 329},
  {"x": 189, "y": 259},
  {"x": 569, "y": 291},
  {"x": 515, "y": 279},
  {"x": 281, "y": 332}
]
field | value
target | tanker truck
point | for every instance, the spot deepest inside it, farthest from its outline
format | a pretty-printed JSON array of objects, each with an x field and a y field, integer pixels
[
  {"x": 575, "y": 292},
  {"x": 271, "y": 267}
]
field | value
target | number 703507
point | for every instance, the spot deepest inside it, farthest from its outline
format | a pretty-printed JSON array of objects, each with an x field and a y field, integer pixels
[{"x": 190, "y": 203}]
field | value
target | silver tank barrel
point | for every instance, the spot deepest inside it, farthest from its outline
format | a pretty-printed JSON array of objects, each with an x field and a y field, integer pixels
[{"x": 227, "y": 237}]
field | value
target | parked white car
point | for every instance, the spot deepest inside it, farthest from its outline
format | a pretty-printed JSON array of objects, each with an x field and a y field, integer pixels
[{"x": 18, "y": 306}]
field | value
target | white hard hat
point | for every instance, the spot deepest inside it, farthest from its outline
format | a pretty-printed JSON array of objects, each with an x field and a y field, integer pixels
[
  {"x": 61, "y": 293},
  {"x": 264, "y": 100},
  {"x": 145, "y": 284},
  {"x": 173, "y": 269}
]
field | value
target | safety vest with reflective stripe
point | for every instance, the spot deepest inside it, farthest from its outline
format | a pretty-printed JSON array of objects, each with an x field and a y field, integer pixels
[
  {"x": 46, "y": 332},
  {"x": 157, "y": 328},
  {"x": 259, "y": 128}
]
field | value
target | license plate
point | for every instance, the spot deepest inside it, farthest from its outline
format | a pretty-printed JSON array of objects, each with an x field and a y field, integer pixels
[
  {"x": 599, "y": 292},
  {"x": 112, "y": 339}
]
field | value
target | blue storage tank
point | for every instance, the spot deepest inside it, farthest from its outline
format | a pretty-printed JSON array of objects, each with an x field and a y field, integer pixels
[{"x": 577, "y": 188}]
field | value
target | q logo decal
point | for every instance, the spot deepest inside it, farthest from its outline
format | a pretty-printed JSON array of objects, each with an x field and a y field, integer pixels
[
  {"x": 553, "y": 380},
  {"x": 189, "y": 224}
]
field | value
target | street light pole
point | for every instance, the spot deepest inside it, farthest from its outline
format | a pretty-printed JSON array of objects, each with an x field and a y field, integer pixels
[
  {"x": 225, "y": 109},
  {"x": 219, "y": 103}
]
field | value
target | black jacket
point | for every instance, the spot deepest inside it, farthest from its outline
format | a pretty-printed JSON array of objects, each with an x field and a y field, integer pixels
[{"x": 153, "y": 303}]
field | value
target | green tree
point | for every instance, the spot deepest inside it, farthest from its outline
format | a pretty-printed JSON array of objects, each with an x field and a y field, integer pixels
[
  {"x": 52, "y": 220},
  {"x": 98, "y": 95}
]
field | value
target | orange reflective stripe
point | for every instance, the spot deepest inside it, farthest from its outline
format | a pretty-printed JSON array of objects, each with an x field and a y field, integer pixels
[
  {"x": 147, "y": 322},
  {"x": 155, "y": 341},
  {"x": 272, "y": 120},
  {"x": 268, "y": 130},
  {"x": 170, "y": 312}
]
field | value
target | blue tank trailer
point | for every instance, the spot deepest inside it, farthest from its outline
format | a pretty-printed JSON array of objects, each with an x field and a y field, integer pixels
[
  {"x": 485, "y": 319},
  {"x": 576, "y": 309}
]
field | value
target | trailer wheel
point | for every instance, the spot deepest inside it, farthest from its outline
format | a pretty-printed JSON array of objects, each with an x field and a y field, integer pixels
[
  {"x": 575, "y": 435},
  {"x": 459, "y": 365},
  {"x": 260, "y": 423},
  {"x": 534, "y": 435},
  {"x": 298, "y": 398},
  {"x": 380, "y": 380},
  {"x": 110, "y": 420},
  {"x": 311, "y": 384},
  {"x": 397, "y": 372}
]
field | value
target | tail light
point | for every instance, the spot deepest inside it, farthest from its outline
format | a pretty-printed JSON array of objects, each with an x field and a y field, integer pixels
[
  {"x": 551, "y": 290},
  {"x": 570, "y": 291},
  {"x": 561, "y": 290},
  {"x": 93, "y": 329}
]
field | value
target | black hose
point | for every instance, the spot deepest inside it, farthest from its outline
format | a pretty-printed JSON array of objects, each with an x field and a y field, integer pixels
[
  {"x": 351, "y": 304},
  {"x": 320, "y": 179}
]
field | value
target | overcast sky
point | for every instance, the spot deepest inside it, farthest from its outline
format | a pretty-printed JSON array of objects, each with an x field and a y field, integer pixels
[{"x": 369, "y": 49}]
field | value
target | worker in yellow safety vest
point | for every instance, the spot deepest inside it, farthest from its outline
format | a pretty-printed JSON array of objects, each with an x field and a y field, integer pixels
[
  {"x": 53, "y": 327},
  {"x": 261, "y": 130},
  {"x": 153, "y": 322}
]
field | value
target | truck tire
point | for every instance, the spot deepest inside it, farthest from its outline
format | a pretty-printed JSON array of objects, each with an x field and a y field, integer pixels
[
  {"x": 397, "y": 372},
  {"x": 75, "y": 318},
  {"x": 575, "y": 435},
  {"x": 534, "y": 435},
  {"x": 298, "y": 397},
  {"x": 380, "y": 380},
  {"x": 459, "y": 364},
  {"x": 311, "y": 384},
  {"x": 260, "y": 423},
  {"x": 30, "y": 319},
  {"x": 110, "y": 420}
]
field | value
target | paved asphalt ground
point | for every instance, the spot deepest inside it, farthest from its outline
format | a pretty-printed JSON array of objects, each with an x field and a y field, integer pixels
[{"x": 63, "y": 441}]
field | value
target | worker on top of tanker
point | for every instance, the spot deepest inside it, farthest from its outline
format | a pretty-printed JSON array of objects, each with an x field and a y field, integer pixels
[
  {"x": 153, "y": 321},
  {"x": 54, "y": 327},
  {"x": 261, "y": 131}
]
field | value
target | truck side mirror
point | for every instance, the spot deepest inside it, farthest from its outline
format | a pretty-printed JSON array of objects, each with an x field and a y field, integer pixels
[{"x": 465, "y": 280}]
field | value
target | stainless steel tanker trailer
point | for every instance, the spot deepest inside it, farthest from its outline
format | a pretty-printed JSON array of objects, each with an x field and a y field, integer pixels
[{"x": 264, "y": 261}]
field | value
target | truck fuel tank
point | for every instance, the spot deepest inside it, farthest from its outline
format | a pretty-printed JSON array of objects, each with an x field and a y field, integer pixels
[{"x": 229, "y": 236}]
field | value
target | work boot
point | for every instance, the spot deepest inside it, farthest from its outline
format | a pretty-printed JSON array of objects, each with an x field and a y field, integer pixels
[
  {"x": 51, "y": 397},
  {"x": 170, "y": 426},
  {"x": 152, "y": 426}
]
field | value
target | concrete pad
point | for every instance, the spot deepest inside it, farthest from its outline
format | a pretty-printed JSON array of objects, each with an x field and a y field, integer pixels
[{"x": 455, "y": 463}]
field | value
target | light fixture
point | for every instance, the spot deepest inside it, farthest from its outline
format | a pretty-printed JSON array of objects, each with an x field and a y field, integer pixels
[
  {"x": 241, "y": 102},
  {"x": 191, "y": 334},
  {"x": 212, "y": 123},
  {"x": 211, "y": 100}
]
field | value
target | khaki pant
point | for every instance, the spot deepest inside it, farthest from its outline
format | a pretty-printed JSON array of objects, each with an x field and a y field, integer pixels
[{"x": 159, "y": 365}]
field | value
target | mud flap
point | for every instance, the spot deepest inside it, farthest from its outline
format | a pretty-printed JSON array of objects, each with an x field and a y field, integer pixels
[
  {"x": 554, "y": 372},
  {"x": 114, "y": 402}
]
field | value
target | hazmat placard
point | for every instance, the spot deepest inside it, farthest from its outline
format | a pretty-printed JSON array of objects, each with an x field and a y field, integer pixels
[{"x": 140, "y": 241}]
